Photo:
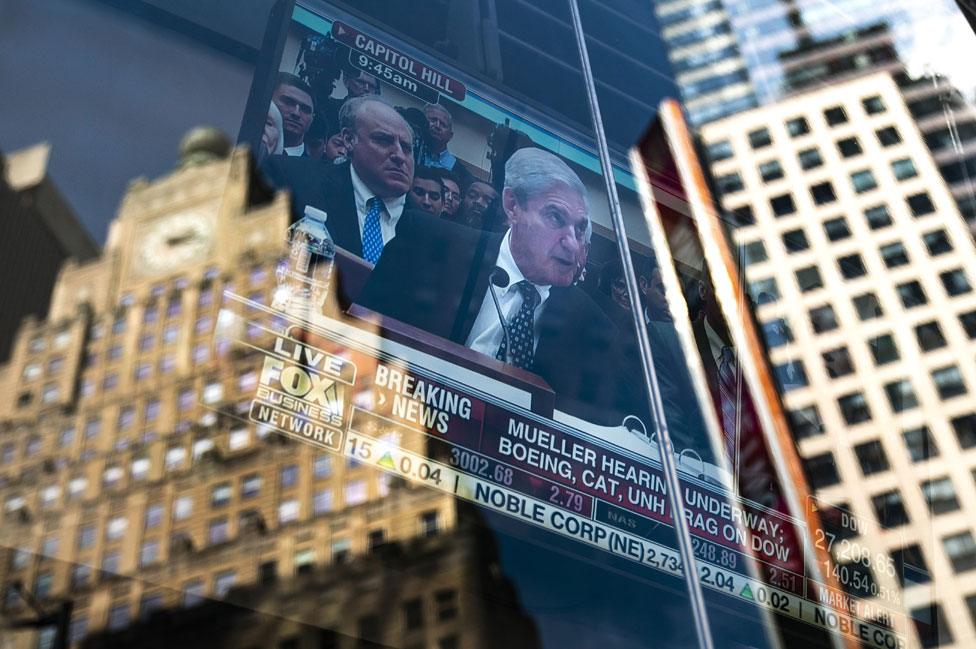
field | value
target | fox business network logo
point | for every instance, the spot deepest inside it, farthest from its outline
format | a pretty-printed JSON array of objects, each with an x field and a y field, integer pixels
[{"x": 301, "y": 392}]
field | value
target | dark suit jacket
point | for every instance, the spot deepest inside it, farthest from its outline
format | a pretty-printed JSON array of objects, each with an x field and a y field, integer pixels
[{"x": 434, "y": 275}]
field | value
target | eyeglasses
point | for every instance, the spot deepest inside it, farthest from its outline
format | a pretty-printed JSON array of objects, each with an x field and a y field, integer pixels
[{"x": 433, "y": 194}]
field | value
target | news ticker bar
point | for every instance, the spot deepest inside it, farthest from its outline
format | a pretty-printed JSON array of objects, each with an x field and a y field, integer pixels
[
  {"x": 542, "y": 475},
  {"x": 419, "y": 469}
]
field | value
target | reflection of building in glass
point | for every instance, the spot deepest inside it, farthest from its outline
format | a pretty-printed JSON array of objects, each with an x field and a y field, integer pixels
[
  {"x": 38, "y": 231},
  {"x": 721, "y": 50},
  {"x": 861, "y": 271},
  {"x": 130, "y": 479}
]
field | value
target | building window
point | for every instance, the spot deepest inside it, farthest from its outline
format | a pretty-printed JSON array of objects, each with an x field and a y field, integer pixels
[
  {"x": 250, "y": 485},
  {"x": 413, "y": 615},
  {"x": 182, "y": 508},
  {"x": 931, "y": 626},
  {"x": 901, "y": 395},
  {"x": 729, "y": 183},
  {"x": 920, "y": 204},
  {"x": 429, "y": 524},
  {"x": 238, "y": 439},
  {"x": 760, "y": 138},
  {"x": 940, "y": 495},
  {"x": 955, "y": 282},
  {"x": 937, "y": 243},
  {"x": 823, "y": 193},
  {"x": 355, "y": 492},
  {"x": 288, "y": 512},
  {"x": 821, "y": 471},
  {"x": 877, "y": 217},
  {"x": 118, "y": 617},
  {"x": 849, "y": 147},
  {"x": 322, "y": 467},
  {"x": 218, "y": 531},
  {"x": 837, "y": 362},
  {"x": 446, "y": 604},
  {"x": 192, "y": 593},
  {"x": 741, "y": 216},
  {"x": 289, "y": 476},
  {"x": 836, "y": 229},
  {"x": 322, "y": 501},
  {"x": 854, "y": 408},
  {"x": 80, "y": 575},
  {"x": 782, "y": 205},
  {"x": 220, "y": 495},
  {"x": 835, "y": 115},
  {"x": 871, "y": 456},
  {"x": 888, "y": 136},
  {"x": 805, "y": 422},
  {"x": 149, "y": 553},
  {"x": 764, "y": 291},
  {"x": 965, "y": 429},
  {"x": 911, "y": 294},
  {"x": 808, "y": 279},
  {"x": 873, "y": 105},
  {"x": 810, "y": 158},
  {"x": 863, "y": 181},
  {"x": 889, "y": 509},
  {"x": 910, "y": 566},
  {"x": 894, "y": 254},
  {"x": 949, "y": 382},
  {"x": 116, "y": 528},
  {"x": 920, "y": 444},
  {"x": 883, "y": 349},
  {"x": 223, "y": 582},
  {"x": 904, "y": 169},
  {"x": 930, "y": 336},
  {"x": 797, "y": 126},
  {"x": 111, "y": 562},
  {"x": 175, "y": 458},
  {"x": 851, "y": 266},
  {"x": 795, "y": 241},
  {"x": 961, "y": 550},
  {"x": 770, "y": 171},
  {"x": 719, "y": 151},
  {"x": 790, "y": 375},
  {"x": 968, "y": 322},
  {"x": 154, "y": 515},
  {"x": 777, "y": 333},
  {"x": 340, "y": 550},
  {"x": 823, "y": 318}
]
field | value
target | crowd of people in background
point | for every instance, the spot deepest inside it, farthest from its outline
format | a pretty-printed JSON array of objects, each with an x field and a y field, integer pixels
[{"x": 443, "y": 185}]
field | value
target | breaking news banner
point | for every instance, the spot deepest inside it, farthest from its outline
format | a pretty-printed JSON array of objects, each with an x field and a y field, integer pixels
[{"x": 340, "y": 389}]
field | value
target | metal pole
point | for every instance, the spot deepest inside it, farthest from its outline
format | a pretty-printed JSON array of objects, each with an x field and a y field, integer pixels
[{"x": 690, "y": 571}]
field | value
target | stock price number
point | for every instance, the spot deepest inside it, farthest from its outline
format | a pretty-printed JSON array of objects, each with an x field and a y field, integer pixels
[
  {"x": 404, "y": 464},
  {"x": 716, "y": 578},
  {"x": 714, "y": 554},
  {"x": 481, "y": 466},
  {"x": 662, "y": 560},
  {"x": 567, "y": 499}
]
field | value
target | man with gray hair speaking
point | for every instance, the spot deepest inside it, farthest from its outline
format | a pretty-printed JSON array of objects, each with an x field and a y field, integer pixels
[{"x": 435, "y": 276}]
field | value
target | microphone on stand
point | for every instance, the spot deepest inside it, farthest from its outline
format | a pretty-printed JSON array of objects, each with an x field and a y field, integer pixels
[{"x": 500, "y": 279}]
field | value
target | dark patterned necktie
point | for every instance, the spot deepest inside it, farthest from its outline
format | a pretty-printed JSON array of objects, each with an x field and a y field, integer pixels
[
  {"x": 728, "y": 394},
  {"x": 521, "y": 328},
  {"x": 372, "y": 235}
]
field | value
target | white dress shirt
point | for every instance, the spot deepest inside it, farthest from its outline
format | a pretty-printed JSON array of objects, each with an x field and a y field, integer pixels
[
  {"x": 393, "y": 208},
  {"x": 296, "y": 150},
  {"x": 486, "y": 334}
]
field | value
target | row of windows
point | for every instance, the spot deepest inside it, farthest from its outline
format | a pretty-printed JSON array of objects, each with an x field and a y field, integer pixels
[
  {"x": 910, "y": 293},
  {"x": 810, "y": 158},
  {"x": 877, "y": 217},
  {"x": 761, "y": 138}
]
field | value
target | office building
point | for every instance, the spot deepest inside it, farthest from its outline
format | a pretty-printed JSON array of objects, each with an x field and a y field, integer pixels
[
  {"x": 861, "y": 269},
  {"x": 127, "y": 489}
]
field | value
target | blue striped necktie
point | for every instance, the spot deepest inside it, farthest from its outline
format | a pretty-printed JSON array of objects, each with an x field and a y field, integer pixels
[{"x": 372, "y": 236}]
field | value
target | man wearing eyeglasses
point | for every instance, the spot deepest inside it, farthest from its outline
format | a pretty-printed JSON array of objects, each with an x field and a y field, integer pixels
[
  {"x": 293, "y": 97},
  {"x": 427, "y": 192}
]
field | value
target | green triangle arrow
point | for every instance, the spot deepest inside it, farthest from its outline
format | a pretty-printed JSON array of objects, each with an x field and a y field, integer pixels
[
  {"x": 387, "y": 461},
  {"x": 747, "y": 592}
]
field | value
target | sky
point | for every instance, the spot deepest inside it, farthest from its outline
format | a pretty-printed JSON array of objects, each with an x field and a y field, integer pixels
[{"x": 112, "y": 94}]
